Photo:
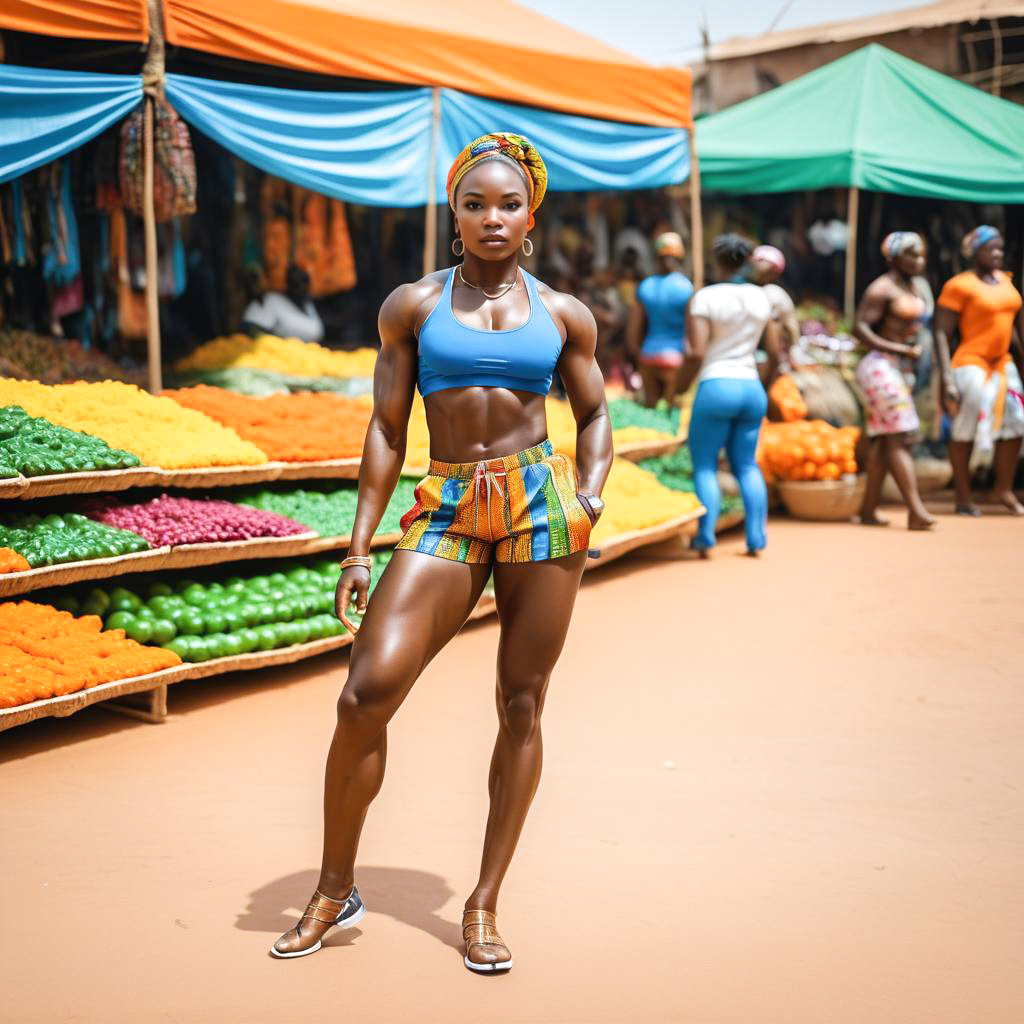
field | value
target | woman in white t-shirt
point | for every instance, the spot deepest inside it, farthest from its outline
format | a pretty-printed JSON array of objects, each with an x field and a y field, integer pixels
[{"x": 726, "y": 324}]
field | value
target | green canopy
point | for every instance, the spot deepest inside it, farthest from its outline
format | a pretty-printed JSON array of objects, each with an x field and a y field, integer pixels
[{"x": 875, "y": 120}]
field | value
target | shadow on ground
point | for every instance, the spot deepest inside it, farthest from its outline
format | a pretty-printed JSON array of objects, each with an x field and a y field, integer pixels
[{"x": 409, "y": 896}]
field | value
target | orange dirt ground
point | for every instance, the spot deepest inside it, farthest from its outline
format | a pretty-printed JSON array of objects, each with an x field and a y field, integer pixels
[{"x": 776, "y": 792}]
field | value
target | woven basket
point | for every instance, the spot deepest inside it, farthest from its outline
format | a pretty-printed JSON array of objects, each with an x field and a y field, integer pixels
[{"x": 823, "y": 500}]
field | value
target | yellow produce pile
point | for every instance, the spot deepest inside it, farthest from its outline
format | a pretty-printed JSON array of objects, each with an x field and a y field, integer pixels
[
  {"x": 807, "y": 450},
  {"x": 158, "y": 430},
  {"x": 635, "y": 500},
  {"x": 284, "y": 355}
]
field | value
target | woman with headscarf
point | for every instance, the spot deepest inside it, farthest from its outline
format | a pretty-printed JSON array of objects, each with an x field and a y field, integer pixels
[
  {"x": 767, "y": 264},
  {"x": 657, "y": 326},
  {"x": 726, "y": 324},
  {"x": 981, "y": 384},
  {"x": 481, "y": 341},
  {"x": 888, "y": 324}
]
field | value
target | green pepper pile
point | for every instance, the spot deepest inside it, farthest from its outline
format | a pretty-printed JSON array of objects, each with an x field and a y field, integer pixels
[
  {"x": 675, "y": 471},
  {"x": 331, "y": 509},
  {"x": 200, "y": 621},
  {"x": 624, "y": 412},
  {"x": 33, "y": 446},
  {"x": 55, "y": 539}
]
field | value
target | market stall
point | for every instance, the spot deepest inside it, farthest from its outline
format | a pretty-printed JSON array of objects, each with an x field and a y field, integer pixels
[{"x": 871, "y": 120}]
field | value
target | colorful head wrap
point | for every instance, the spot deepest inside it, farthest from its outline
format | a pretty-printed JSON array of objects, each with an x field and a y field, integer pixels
[
  {"x": 974, "y": 240},
  {"x": 669, "y": 243},
  {"x": 507, "y": 146},
  {"x": 898, "y": 242},
  {"x": 770, "y": 255}
]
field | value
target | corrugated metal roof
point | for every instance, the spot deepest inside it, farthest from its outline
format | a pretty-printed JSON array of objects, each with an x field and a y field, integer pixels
[{"x": 945, "y": 12}]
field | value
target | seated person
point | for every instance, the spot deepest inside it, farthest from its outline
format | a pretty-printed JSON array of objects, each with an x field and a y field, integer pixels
[{"x": 290, "y": 314}]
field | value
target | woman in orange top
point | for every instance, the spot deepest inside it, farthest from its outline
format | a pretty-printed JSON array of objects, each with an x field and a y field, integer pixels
[{"x": 981, "y": 384}]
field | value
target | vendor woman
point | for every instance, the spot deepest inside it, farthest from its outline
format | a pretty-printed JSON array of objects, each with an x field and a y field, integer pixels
[
  {"x": 981, "y": 384},
  {"x": 888, "y": 324},
  {"x": 657, "y": 328},
  {"x": 481, "y": 341}
]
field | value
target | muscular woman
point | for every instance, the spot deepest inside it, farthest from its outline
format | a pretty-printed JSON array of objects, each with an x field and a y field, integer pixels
[
  {"x": 981, "y": 385},
  {"x": 888, "y": 323},
  {"x": 481, "y": 341}
]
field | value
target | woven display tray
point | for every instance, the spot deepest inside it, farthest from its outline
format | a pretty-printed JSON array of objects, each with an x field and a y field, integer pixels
[
  {"x": 76, "y": 572},
  {"x": 327, "y": 469},
  {"x": 184, "y": 556},
  {"x": 616, "y": 547},
  {"x": 12, "y": 486},
  {"x": 84, "y": 483},
  {"x": 637, "y": 450}
]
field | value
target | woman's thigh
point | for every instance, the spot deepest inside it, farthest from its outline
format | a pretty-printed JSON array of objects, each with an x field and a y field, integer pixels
[
  {"x": 535, "y": 602},
  {"x": 419, "y": 604}
]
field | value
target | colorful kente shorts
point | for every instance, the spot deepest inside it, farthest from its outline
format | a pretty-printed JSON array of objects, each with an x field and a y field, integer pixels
[{"x": 520, "y": 508}]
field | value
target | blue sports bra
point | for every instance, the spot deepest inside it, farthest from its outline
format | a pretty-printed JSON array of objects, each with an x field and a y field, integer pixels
[{"x": 452, "y": 355}]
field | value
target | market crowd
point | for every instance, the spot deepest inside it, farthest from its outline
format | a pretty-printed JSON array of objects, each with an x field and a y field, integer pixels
[{"x": 962, "y": 352}]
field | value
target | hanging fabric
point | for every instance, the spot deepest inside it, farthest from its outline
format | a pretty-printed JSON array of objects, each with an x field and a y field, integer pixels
[{"x": 45, "y": 114}]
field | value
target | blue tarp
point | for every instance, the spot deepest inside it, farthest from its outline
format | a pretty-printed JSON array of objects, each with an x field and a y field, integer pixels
[
  {"x": 364, "y": 147},
  {"x": 45, "y": 114},
  {"x": 581, "y": 153}
]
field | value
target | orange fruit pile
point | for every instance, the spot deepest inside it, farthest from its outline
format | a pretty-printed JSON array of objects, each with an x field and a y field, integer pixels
[
  {"x": 303, "y": 427},
  {"x": 807, "y": 450},
  {"x": 48, "y": 653},
  {"x": 11, "y": 561},
  {"x": 787, "y": 398}
]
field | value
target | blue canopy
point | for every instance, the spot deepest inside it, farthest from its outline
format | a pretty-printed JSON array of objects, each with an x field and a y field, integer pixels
[
  {"x": 364, "y": 147},
  {"x": 581, "y": 153},
  {"x": 45, "y": 114}
]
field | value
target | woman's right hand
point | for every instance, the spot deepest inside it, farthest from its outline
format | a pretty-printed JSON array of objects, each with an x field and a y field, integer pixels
[{"x": 354, "y": 586}]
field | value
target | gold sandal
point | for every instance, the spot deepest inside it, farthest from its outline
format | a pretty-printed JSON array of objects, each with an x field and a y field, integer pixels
[
  {"x": 344, "y": 913},
  {"x": 479, "y": 928}
]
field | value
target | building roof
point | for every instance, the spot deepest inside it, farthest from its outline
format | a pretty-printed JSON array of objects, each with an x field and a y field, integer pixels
[{"x": 945, "y": 12}]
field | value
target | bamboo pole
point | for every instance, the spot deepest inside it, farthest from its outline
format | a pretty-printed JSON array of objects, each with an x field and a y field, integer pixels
[
  {"x": 430, "y": 226},
  {"x": 153, "y": 83},
  {"x": 852, "y": 213},
  {"x": 696, "y": 215},
  {"x": 149, "y": 225}
]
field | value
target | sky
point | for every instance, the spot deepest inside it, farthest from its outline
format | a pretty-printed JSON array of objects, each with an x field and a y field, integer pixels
[{"x": 668, "y": 31}]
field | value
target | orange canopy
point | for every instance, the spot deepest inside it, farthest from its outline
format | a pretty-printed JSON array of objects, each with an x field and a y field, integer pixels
[
  {"x": 492, "y": 48},
  {"x": 78, "y": 19}
]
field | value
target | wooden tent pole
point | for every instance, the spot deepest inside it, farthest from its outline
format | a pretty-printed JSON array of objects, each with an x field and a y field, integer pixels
[
  {"x": 852, "y": 216},
  {"x": 696, "y": 216},
  {"x": 430, "y": 226},
  {"x": 152, "y": 271},
  {"x": 153, "y": 82}
]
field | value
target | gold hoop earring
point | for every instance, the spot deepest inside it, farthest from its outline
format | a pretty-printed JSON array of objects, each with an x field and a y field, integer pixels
[
  {"x": 527, "y": 242},
  {"x": 461, "y": 246}
]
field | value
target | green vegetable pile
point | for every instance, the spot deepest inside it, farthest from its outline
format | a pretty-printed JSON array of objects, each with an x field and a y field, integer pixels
[
  {"x": 33, "y": 446},
  {"x": 200, "y": 621},
  {"x": 675, "y": 471},
  {"x": 331, "y": 509},
  {"x": 55, "y": 539},
  {"x": 624, "y": 412}
]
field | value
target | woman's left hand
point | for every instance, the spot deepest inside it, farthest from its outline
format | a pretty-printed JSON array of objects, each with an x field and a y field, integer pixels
[{"x": 588, "y": 508}]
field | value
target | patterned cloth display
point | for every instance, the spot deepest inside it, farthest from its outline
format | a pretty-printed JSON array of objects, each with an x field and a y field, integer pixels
[
  {"x": 521, "y": 508},
  {"x": 887, "y": 394},
  {"x": 512, "y": 147}
]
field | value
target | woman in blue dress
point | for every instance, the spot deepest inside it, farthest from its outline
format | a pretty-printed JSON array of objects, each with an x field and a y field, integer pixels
[{"x": 657, "y": 327}]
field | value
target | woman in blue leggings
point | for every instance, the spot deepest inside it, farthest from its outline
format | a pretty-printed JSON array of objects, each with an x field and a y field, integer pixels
[{"x": 726, "y": 324}]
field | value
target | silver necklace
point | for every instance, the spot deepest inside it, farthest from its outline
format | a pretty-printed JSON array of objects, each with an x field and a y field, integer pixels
[{"x": 477, "y": 287}]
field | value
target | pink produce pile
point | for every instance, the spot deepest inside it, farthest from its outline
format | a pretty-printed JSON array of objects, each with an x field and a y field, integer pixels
[{"x": 169, "y": 520}]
